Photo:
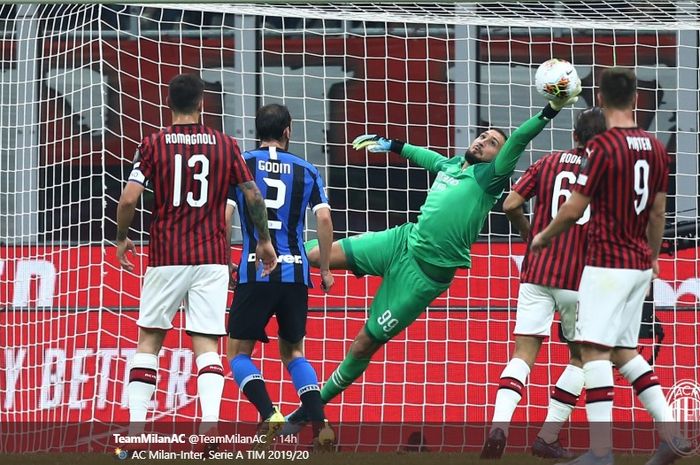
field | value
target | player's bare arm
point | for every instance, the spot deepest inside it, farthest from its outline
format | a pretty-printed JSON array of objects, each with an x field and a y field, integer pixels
[
  {"x": 655, "y": 229},
  {"x": 513, "y": 208},
  {"x": 258, "y": 215},
  {"x": 125, "y": 215},
  {"x": 568, "y": 215},
  {"x": 325, "y": 242}
]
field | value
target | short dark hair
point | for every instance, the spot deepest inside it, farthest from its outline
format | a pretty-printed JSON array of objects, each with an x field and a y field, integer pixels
[
  {"x": 185, "y": 91},
  {"x": 618, "y": 86},
  {"x": 271, "y": 121},
  {"x": 589, "y": 123},
  {"x": 501, "y": 132}
]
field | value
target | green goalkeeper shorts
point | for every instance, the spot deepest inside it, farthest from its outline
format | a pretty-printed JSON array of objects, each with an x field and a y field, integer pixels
[{"x": 405, "y": 290}]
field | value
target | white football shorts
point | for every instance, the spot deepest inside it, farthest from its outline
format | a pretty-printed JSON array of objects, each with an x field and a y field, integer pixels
[
  {"x": 201, "y": 289},
  {"x": 610, "y": 306},
  {"x": 536, "y": 306}
]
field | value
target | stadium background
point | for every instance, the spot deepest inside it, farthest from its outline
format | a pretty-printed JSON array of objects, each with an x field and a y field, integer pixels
[{"x": 68, "y": 313}]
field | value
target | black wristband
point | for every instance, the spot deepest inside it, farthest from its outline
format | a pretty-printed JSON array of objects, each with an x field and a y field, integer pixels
[
  {"x": 397, "y": 146},
  {"x": 548, "y": 112}
]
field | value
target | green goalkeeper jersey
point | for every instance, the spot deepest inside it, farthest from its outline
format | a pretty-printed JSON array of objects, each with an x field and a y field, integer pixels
[{"x": 460, "y": 199}]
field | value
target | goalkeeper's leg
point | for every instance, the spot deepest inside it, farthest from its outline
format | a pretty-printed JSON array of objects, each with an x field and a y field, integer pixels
[
  {"x": 370, "y": 253},
  {"x": 338, "y": 258},
  {"x": 355, "y": 363},
  {"x": 392, "y": 310}
]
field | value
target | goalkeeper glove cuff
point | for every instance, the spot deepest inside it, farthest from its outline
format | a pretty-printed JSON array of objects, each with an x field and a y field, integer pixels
[
  {"x": 548, "y": 112},
  {"x": 397, "y": 146}
]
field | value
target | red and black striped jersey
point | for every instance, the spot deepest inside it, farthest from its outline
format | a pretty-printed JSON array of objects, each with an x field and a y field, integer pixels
[
  {"x": 190, "y": 168},
  {"x": 550, "y": 179},
  {"x": 624, "y": 170}
]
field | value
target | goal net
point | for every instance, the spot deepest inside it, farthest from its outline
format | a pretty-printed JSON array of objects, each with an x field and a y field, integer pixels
[{"x": 80, "y": 85}]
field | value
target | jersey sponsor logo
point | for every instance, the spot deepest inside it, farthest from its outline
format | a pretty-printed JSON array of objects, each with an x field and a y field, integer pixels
[
  {"x": 274, "y": 167},
  {"x": 292, "y": 259},
  {"x": 190, "y": 139},
  {"x": 442, "y": 181},
  {"x": 568, "y": 157},
  {"x": 638, "y": 143},
  {"x": 446, "y": 178}
]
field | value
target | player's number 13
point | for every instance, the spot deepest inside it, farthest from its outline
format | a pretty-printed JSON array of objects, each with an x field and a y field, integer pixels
[{"x": 201, "y": 177}]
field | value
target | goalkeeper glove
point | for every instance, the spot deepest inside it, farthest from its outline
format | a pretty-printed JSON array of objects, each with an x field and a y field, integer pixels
[
  {"x": 372, "y": 143},
  {"x": 559, "y": 103}
]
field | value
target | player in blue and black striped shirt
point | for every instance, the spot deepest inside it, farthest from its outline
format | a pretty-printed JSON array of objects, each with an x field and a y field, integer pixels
[{"x": 289, "y": 185}]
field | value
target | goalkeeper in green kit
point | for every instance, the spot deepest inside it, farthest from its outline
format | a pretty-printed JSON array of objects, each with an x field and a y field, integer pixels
[{"x": 417, "y": 261}]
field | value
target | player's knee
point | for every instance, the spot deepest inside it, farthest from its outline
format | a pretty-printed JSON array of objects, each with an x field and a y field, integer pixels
[
  {"x": 289, "y": 352},
  {"x": 237, "y": 347},
  {"x": 620, "y": 356},
  {"x": 527, "y": 348},
  {"x": 150, "y": 340},
  {"x": 575, "y": 355}
]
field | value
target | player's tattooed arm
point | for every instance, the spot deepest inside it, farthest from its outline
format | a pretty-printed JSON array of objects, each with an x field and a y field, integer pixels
[{"x": 256, "y": 208}]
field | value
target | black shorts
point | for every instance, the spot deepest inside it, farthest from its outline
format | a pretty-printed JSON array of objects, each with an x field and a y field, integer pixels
[{"x": 255, "y": 303}]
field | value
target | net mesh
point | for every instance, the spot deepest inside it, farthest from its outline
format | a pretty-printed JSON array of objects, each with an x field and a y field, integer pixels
[{"x": 75, "y": 106}]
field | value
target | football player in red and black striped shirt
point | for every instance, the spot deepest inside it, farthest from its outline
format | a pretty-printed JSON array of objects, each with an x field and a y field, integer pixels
[
  {"x": 625, "y": 178},
  {"x": 190, "y": 168},
  {"x": 548, "y": 281}
]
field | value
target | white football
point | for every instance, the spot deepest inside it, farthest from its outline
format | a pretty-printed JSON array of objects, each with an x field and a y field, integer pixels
[{"x": 556, "y": 78}]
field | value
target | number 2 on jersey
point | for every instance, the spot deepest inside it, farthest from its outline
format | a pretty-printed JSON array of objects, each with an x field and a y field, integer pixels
[
  {"x": 201, "y": 177},
  {"x": 559, "y": 192},
  {"x": 277, "y": 201}
]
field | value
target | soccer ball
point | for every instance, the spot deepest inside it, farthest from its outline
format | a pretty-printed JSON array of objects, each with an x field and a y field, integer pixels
[{"x": 556, "y": 78}]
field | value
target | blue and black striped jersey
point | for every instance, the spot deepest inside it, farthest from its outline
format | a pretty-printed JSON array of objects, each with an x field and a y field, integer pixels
[{"x": 289, "y": 185}]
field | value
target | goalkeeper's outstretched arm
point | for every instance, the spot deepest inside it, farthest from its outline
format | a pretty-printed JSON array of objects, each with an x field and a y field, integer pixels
[
  {"x": 426, "y": 158},
  {"x": 507, "y": 158},
  {"x": 509, "y": 155},
  {"x": 431, "y": 161}
]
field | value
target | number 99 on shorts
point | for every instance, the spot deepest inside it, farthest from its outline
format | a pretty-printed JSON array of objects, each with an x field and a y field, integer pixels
[{"x": 387, "y": 322}]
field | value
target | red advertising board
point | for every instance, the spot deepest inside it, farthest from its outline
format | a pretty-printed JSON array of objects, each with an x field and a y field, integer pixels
[{"x": 67, "y": 360}]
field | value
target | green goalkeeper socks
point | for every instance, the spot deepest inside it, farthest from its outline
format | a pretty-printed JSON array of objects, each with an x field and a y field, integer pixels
[
  {"x": 343, "y": 376},
  {"x": 309, "y": 245}
]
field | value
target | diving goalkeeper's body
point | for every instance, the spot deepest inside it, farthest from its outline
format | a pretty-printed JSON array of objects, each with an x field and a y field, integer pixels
[{"x": 418, "y": 261}]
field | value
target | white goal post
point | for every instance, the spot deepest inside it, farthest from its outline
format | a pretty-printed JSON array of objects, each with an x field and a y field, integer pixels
[{"x": 81, "y": 84}]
